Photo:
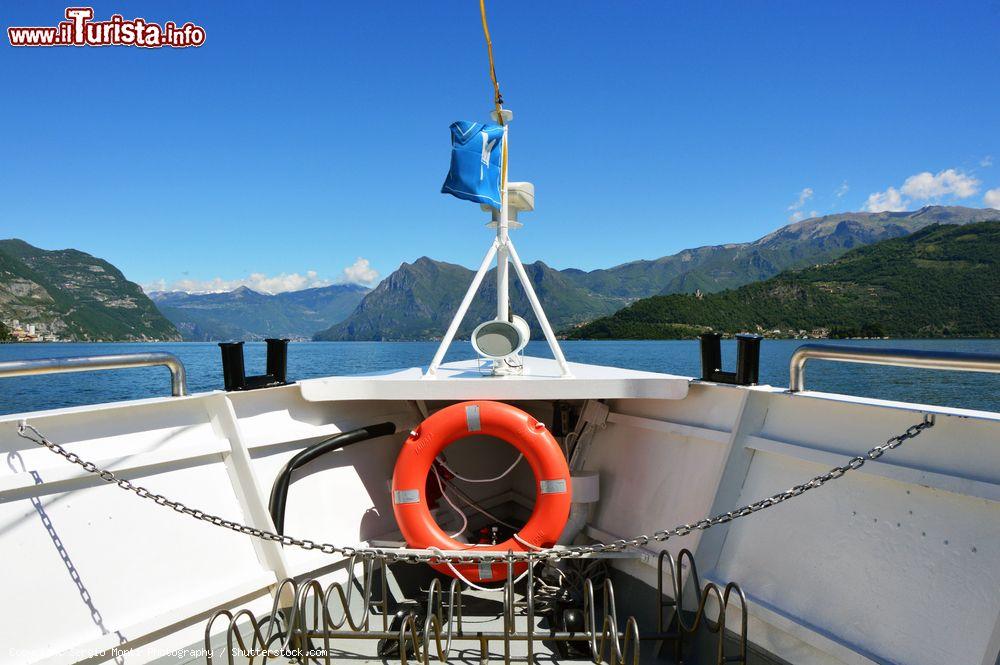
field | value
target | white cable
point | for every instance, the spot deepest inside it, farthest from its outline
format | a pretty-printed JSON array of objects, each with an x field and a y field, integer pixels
[
  {"x": 472, "y": 584},
  {"x": 472, "y": 504},
  {"x": 475, "y": 506},
  {"x": 479, "y": 480},
  {"x": 465, "y": 520},
  {"x": 527, "y": 544},
  {"x": 465, "y": 524},
  {"x": 568, "y": 442}
]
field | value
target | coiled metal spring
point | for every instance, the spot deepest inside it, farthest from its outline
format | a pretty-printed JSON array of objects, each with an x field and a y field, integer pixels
[
  {"x": 307, "y": 618},
  {"x": 676, "y": 631}
]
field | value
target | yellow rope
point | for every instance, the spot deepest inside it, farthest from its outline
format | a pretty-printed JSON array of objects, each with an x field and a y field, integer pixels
[{"x": 497, "y": 97}]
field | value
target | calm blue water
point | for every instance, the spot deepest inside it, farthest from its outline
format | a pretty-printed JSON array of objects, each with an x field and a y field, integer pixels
[{"x": 313, "y": 359}]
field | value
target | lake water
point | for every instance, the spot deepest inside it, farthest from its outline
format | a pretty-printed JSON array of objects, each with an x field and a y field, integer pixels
[{"x": 314, "y": 359}]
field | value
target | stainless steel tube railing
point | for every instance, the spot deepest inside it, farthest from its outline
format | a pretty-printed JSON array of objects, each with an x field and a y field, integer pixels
[
  {"x": 953, "y": 360},
  {"x": 178, "y": 377}
]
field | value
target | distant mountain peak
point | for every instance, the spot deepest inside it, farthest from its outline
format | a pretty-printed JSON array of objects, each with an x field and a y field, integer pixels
[
  {"x": 244, "y": 313},
  {"x": 938, "y": 281},
  {"x": 417, "y": 300}
]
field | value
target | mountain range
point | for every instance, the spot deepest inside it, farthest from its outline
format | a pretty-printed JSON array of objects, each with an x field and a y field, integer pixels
[
  {"x": 68, "y": 294},
  {"x": 939, "y": 281},
  {"x": 418, "y": 300},
  {"x": 250, "y": 315}
]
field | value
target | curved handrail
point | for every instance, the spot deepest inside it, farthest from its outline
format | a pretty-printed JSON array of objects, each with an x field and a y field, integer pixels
[
  {"x": 953, "y": 360},
  {"x": 178, "y": 376}
]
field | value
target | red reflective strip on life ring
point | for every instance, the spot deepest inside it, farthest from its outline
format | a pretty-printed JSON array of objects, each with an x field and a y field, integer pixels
[{"x": 553, "y": 491}]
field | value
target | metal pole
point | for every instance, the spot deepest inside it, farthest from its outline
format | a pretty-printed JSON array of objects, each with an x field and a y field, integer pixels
[
  {"x": 462, "y": 309},
  {"x": 536, "y": 306},
  {"x": 503, "y": 297},
  {"x": 178, "y": 377},
  {"x": 966, "y": 362}
]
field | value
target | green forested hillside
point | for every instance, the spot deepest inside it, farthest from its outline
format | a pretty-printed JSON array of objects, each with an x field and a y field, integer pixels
[
  {"x": 939, "y": 281},
  {"x": 75, "y": 296},
  {"x": 797, "y": 245}
]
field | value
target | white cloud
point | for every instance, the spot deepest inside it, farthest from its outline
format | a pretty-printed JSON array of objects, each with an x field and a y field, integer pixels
[
  {"x": 804, "y": 196},
  {"x": 155, "y": 285},
  {"x": 986, "y": 161},
  {"x": 842, "y": 189},
  {"x": 256, "y": 281},
  {"x": 360, "y": 272},
  {"x": 921, "y": 188},
  {"x": 796, "y": 207},
  {"x": 888, "y": 201},
  {"x": 992, "y": 198},
  {"x": 949, "y": 182}
]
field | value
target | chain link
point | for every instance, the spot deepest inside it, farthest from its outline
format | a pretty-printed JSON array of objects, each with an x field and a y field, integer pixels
[{"x": 27, "y": 431}]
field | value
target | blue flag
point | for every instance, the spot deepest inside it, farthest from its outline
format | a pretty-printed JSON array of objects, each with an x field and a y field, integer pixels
[{"x": 476, "y": 155}]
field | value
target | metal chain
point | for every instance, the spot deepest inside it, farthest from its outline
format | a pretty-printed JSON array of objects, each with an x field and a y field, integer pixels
[{"x": 27, "y": 431}]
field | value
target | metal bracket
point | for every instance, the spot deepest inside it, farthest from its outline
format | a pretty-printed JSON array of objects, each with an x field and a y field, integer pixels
[{"x": 234, "y": 373}]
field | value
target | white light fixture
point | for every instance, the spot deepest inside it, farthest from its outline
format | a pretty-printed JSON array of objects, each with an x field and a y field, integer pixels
[{"x": 498, "y": 339}]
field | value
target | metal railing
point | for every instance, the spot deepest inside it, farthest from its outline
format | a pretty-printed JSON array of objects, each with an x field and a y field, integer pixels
[
  {"x": 953, "y": 360},
  {"x": 178, "y": 377}
]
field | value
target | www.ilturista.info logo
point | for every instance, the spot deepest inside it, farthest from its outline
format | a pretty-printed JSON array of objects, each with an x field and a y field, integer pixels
[{"x": 81, "y": 30}]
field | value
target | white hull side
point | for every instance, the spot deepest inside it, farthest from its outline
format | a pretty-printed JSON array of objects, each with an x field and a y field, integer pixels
[{"x": 827, "y": 583}]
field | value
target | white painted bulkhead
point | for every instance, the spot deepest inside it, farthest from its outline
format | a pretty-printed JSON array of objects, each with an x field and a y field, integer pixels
[
  {"x": 897, "y": 562},
  {"x": 89, "y": 567}
]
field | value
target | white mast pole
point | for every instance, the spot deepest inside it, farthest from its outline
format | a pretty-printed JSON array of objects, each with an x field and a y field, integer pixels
[
  {"x": 503, "y": 294},
  {"x": 503, "y": 249},
  {"x": 462, "y": 309},
  {"x": 543, "y": 321}
]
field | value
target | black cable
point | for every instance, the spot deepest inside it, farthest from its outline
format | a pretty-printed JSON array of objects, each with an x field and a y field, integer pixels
[{"x": 279, "y": 491}]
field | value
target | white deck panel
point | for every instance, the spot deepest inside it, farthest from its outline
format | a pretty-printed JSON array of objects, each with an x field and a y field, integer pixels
[{"x": 463, "y": 380}]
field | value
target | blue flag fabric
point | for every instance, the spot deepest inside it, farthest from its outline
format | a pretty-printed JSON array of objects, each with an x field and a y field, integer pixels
[{"x": 476, "y": 155}]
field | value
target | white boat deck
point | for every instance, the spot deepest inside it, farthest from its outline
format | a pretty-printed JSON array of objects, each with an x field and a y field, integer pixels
[
  {"x": 463, "y": 381},
  {"x": 905, "y": 542}
]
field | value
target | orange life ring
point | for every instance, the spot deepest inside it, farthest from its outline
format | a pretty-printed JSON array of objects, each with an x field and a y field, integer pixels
[{"x": 503, "y": 421}]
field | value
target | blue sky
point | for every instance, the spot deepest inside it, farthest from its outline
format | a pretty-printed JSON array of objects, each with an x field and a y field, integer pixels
[{"x": 304, "y": 135}]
